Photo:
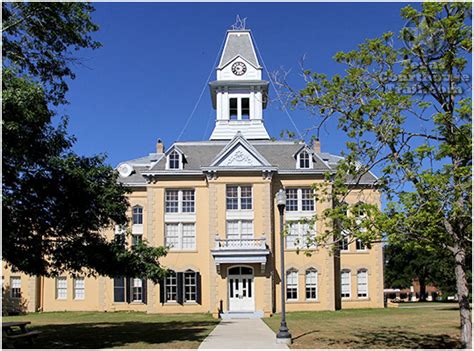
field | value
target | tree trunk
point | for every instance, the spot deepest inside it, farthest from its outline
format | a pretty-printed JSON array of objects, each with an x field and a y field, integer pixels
[
  {"x": 463, "y": 291},
  {"x": 422, "y": 289}
]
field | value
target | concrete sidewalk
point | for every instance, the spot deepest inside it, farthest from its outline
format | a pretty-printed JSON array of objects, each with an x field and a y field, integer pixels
[{"x": 241, "y": 334}]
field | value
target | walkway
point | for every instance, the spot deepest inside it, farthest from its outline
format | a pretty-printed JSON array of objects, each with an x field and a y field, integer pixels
[{"x": 241, "y": 334}]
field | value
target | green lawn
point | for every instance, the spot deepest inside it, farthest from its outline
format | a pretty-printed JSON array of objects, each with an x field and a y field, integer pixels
[
  {"x": 117, "y": 329},
  {"x": 435, "y": 326}
]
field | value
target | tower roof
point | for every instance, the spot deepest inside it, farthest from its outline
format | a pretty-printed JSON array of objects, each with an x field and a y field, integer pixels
[{"x": 238, "y": 43}]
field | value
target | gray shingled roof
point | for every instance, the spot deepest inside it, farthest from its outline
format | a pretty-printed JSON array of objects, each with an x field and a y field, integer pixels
[
  {"x": 238, "y": 45},
  {"x": 198, "y": 155}
]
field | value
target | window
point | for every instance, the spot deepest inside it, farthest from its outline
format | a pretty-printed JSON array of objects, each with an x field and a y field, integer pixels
[
  {"x": 119, "y": 238},
  {"x": 362, "y": 283},
  {"x": 344, "y": 243},
  {"x": 346, "y": 284},
  {"x": 188, "y": 201},
  {"x": 61, "y": 288},
  {"x": 136, "y": 239},
  {"x": 137, "y": 215},
  {"x": 180, "y": 236},
  {"x": 137, "y": 290},
  {"x": 179, "y": 201},
  {"x": 119, "y": 289},
  {"x": 174, "y": 160},
  {"x": 307, "y": 199},
  {"x": 304, "y": 159},
  {"x": 15, "y": 287},
  {"x": 299, "y": 235},
  {"x": 79, "y": 288},
  {"x": 233, "y": 109},
  {"x": 311, "y": 281},
  {"x": 172, "y": 201},
  {"x": 245, "y": 108},
  {"x": 171, "y": 287},
  {"x": 360, "y": 246},
  {"x": 292, "y": 285},
  {"x": 292, "y": 199},
  {"x": 239, "y": 197},
  {"x": 299, "y": 199},
  {"x": 239, "y": 229},
  {"x": 190, "y": 286}
]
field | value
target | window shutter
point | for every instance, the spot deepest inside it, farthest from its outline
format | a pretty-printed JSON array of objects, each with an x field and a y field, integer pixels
[
  {"x": 144, "y": 291},
  {"x": 162, "y": 291},
  {"x": 128, "y": 289},
  {"x": 180, "y": 287},
  {"x": 198, "y": 287}
]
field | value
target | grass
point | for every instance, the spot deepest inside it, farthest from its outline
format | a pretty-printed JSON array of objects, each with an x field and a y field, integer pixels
[
  {"x": 435, "y": 326},
  {"x": 117, "y": 329}
]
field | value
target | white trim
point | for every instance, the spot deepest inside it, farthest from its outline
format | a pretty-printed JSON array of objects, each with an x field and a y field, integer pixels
[
  {"x": 298, "y": 159},
  {"x": 292, "y": 270},
  {"x": 348, "y": 271}
]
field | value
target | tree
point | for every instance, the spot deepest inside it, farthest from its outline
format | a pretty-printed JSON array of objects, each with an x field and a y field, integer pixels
[
  {"x": 56, "y": 203},
  {"x": 405, "y": 263},
  {"x": 407, "y": 113}
]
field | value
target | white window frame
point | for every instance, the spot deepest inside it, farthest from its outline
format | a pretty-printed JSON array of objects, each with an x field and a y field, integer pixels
[
  {"x": 298, "y": 160},
  {"x": 180, "y": 160},
  {"x": 189, "y": 285},
  {"x": 139, "y": 215},
  {"x": 344, "y": 237},
  {"x": 137, "y": 283},
  {"x": 239, "y": 197},
  {"x": 366, "y": 283},
  {"x": 77, "y": 289},
  {"x": 301, "y": 235},
  {"x": 180, "y": 201},
  {"x": 292, "y": 285},
  {"x": 180, "y": 236},
  {"x": 239, "y": 98},
  {"x": 299, "y": 192},
  {"x": 15, "y": 283},
  {"x": 61, "y": 291},
  {"x": 311, "y": 285},
  {"x": 239, "y": 228},
  {"x": 171, "y": 281},
  {"x": 348, "y": 272},
  {"x": 357, "y": 242}
]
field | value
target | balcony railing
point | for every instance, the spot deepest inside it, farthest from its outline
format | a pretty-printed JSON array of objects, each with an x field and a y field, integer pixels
[{"x": 240, "y": 244}]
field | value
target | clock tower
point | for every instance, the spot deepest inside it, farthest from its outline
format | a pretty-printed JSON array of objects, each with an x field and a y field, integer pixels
[{"x": 239, "y": 95}]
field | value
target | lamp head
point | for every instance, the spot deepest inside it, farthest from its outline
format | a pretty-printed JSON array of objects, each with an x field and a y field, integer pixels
[{"x": 281, "y": 198}]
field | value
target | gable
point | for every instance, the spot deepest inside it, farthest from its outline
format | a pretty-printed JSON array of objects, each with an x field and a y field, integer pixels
[{"x": 239, "y": 157}]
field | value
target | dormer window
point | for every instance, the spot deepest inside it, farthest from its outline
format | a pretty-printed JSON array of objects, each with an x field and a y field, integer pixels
[
  {"x": 304, "y": 160},
  {"x": 175, "y": 160}
]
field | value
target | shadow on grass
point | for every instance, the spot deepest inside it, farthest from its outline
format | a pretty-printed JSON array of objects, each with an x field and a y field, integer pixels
[
  {"x": 402, "y": 339},
  {"x": 121, "y": 334},
  {"x": 383, "y": 339}
]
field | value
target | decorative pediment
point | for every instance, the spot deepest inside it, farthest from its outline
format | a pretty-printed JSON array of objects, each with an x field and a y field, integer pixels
[
  {"x": 240, "y": 157},
  {"x": 239, "y": 153}
]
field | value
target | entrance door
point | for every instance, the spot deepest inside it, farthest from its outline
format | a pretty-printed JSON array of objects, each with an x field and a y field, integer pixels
[{"x": 241, "y": 289}]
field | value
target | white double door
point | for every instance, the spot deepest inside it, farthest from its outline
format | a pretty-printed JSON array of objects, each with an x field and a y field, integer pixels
[{"x": 241, "y": 289}]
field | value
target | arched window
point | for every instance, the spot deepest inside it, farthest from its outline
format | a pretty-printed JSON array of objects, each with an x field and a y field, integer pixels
[
  {"x": 362, "y": 283},
  {"x": 304, "y": 160},
  {"x": 346, "y": 284},
  {"x": 174, "y": 160},
  {"x": 311, "y": 282},
  {"x": 171, "y": 287},
  {"x": 190, "y": 286},
  {"x": 292, "y": 284},
  {"x": 137, "y": 215}
]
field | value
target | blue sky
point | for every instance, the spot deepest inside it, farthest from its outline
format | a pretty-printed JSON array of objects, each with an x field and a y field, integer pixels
[{"x": 144, "y": 82}]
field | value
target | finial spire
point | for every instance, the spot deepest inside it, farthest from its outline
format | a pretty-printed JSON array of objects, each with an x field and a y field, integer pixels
[{"x": 239, "y": 23}]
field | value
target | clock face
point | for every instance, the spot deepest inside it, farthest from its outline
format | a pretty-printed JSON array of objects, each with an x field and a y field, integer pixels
[{"x": 239, "y": 68}]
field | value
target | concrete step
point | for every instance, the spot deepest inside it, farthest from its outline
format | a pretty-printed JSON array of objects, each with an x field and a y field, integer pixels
[{"x": 241, "y": 315}]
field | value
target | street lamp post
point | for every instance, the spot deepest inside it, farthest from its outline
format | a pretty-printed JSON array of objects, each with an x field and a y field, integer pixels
[{"x": 283, "y": 335}]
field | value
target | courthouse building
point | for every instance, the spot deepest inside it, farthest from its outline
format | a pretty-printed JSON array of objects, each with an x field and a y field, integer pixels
[{"x": 212, "y": 202}]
